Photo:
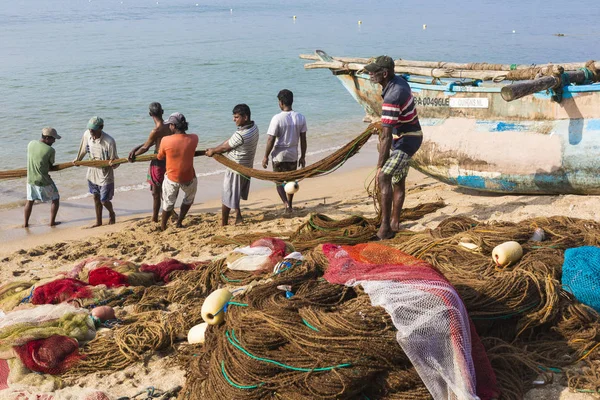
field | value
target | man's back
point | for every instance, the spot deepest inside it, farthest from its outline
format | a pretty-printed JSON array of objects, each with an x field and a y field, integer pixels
[
  {"x": 286, "y": 127},
  {"x": 178, "y": 150},
  {"x": 159, "y": 133},
  {"x": 40, "y": 157}
]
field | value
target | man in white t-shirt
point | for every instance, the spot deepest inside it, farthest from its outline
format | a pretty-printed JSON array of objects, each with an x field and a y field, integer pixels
[{"x": 286, "y": 130}]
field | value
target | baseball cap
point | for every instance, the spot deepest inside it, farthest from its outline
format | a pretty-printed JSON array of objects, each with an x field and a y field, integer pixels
[
  {"x": 47, "y": 131},
  {"x": 380, "y": 63},
  {"x": 175, "y": 118},
  {"x": 95, "y": 123}
]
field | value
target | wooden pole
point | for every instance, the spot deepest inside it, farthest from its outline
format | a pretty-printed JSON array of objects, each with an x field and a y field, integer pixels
[{"x": 521, "y": 89}]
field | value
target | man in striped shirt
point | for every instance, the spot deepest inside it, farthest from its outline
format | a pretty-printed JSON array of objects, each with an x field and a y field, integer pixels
[
  {"x": 399, "y": 139},
  {"x": 241, "y": 148}
]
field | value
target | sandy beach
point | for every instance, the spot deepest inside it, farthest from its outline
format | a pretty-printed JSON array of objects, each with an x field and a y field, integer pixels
[{"x": 43, "y": 252}]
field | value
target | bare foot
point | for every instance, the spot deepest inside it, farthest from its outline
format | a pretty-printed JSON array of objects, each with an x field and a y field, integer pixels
[
  {"x": 26, "y": 226},
  {"x": 178, "y": 225},
  {"x": 55, "y": 223},
  {"x": 289, "y": 210},
  {"x": 95, "y": 225},
  {"x": 384, "y": 234},
  {"x": 239, "y": 221},
  {"x": 174, "y": 216},
  {"x": 395, "y": 226},
  {"x": 112, "y": 219}
]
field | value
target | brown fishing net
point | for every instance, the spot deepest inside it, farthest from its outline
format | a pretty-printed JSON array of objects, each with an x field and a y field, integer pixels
[{"x": 292, "y": 335}]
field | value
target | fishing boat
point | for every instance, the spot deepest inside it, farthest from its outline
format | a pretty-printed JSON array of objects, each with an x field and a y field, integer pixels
[{"x": 517, "y": 129}]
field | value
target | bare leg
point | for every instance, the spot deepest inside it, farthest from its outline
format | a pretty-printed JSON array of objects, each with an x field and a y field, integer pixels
[
  {"x": 98, "y": 208},
  {"x": 28, "y": 208},
  {"x": 156, "y": 192},
  {"x": 238, "y": 217},
  {"x": 164, "y": 218},
  {"x": 53, "y": 211},
  {"x": 225, "y": 215},
  {"x": 282, "y": 194},
  {"x": 182, "y": 213},
  {"x": 399, "y": 195},
  {"x": 111, "y": 213},
  {"x": 289, "y": 208},
  {"x": 385, "y": 203}
]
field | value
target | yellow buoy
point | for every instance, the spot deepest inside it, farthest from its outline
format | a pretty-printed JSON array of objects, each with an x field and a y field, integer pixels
[
  {"x": 359, "y": 22},
  {"x": 424, "y": 26},
  {"x": 197, "y": 334},
  {"x": 212, "y": 309},
  {"x": 507, "y": 253}
]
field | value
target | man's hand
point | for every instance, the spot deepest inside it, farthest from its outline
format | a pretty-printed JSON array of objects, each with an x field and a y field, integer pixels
[
  {"x": 75, "y": 163},
  {"x": 209, "y": 152},
  {"x": 131, "y": 157},
  {"x": 302, "y": 162},
  {"x": 265, "y": 162}
]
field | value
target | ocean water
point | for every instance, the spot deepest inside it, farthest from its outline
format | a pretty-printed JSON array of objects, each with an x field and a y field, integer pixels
[{"x": 64, "y": 61}]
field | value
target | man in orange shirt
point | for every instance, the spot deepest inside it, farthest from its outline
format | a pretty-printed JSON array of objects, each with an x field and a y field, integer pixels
[{"x": 178, "y": 151}]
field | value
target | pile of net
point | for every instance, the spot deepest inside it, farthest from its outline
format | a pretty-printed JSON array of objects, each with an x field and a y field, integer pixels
[{"x": 288, "y": 333}]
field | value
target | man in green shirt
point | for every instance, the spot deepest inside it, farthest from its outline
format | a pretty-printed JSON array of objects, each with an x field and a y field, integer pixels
[{"x": 40, "y": 160}]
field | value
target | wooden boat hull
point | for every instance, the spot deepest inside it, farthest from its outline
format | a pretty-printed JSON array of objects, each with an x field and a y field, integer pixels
[{"x": 475, "y": 139}]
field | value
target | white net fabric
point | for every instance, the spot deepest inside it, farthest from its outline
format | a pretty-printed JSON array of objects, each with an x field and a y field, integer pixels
[{"x": 434, "y": 332}]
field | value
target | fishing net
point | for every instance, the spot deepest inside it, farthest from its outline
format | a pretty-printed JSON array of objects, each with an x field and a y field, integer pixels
[
  {"x": 61, "y": 290},
  {"x": 162, "y": 271},
  {"x": 434, "y": 329},
  {"x": 19, "y": 327},
  {"x": 108, "y": 277},
  {"x": 53, "y": 355},
  {"x": 581, "y": 275},
  {"x": 262, "y": 254},
  {"x": 4, "y": 372},
  {"x": 13, "y": 293}
]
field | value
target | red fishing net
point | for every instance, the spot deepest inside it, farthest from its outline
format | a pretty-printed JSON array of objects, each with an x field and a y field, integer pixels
[
  {"x": 53, "y": 355},
  {"x": 4, "y": 372},
  {"x": 162, "y": 270},
  {"x": 107, "y": 276},
  {"x": 434, "y": 328},
  {"x": 61, "y": 290}
]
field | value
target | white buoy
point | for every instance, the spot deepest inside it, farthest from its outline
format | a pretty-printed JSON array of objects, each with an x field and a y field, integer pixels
[
  {"x": 294, "y": 17},
  {"x": 514, "y": 31},
  {"x": 507, "y": 253},
  {"x": 424, "y": 26},
  {"x": 291, "y": 187},
  {"x": 231, "y": 10},
  {"x": 212, "y": 309},
  {"x": 197, "y": 334},
  {"x": 359, "y": 22}
]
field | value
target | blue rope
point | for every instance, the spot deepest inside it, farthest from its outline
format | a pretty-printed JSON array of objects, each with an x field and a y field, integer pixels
[
  {"x": 309, "y": 325},
  {"x": 232, "y": 383},
  {"x": 588, "y": 75},
  {"x": 28, "y": 298},
  {"x": 233, "y": 340}
]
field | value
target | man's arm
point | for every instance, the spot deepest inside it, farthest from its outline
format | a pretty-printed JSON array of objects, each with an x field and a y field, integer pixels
[
  {"x": 385, "y": 143},
  {"x": 141, "y": 149},
  {"x": 222, "y": 148},
  {"x": 303, "y": 146},
  {"x": 112, "y": 154},
  {"x": 270, "y": 144},
  {"x": 82, "y": 149},
  {"x": 51, "y": 166}
]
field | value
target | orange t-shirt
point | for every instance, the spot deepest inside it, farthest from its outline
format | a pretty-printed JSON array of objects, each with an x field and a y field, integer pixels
[{"x": 178, "y": 149}]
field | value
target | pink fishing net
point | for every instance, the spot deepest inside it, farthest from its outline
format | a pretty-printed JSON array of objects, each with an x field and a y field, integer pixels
[
  {"x": 434, "y": 329},
  {"x": 107, "y": 276},
  {"x": 4, "y": 372}
]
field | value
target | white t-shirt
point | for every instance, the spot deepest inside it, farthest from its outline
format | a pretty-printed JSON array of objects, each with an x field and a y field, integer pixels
[
  {"x": 103, "y": 148},
  {"x": 286, "y": 127}
]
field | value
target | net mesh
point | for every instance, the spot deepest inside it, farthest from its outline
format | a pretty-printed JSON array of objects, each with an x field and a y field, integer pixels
[
  {"x": 433, "y": 326},
  {"x": 107, "y": 276},
  {"x": 61, "y": 290},
  {"x": 4, "y": 372},
  {"x": 53, "y": 355},
  {"x": 581, "y": 274},
  {"x": 162, "y": 271}
]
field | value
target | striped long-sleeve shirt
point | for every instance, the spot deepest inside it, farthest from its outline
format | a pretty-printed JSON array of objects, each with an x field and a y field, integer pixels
[{"x": 399, "y": 112}]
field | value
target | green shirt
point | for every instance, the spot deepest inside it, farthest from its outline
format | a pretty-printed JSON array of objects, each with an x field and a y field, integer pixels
[{"x": 40, "y": 157}]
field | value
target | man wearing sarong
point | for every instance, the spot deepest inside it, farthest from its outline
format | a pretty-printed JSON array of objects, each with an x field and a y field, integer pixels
[
  {"x": 101, "y": 180},
  {"x": 241, "y": 148},
  {"x": 286, "y": 130},
  {"x": 178, "y": 151},
  {"x": 401, "y": 133},
  {"x": 157, "y": 169},
  {"x": 40, "y": 186}
]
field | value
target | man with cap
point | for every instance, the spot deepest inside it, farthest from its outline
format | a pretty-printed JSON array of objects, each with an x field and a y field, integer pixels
[
  {"x": 178, "y": 150},
  {"x": 157, "y": 169},
  {"x": 40, "y": 160},
  {"x": 399, "y": 139},
  {"x": 101, "y": 180}
]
